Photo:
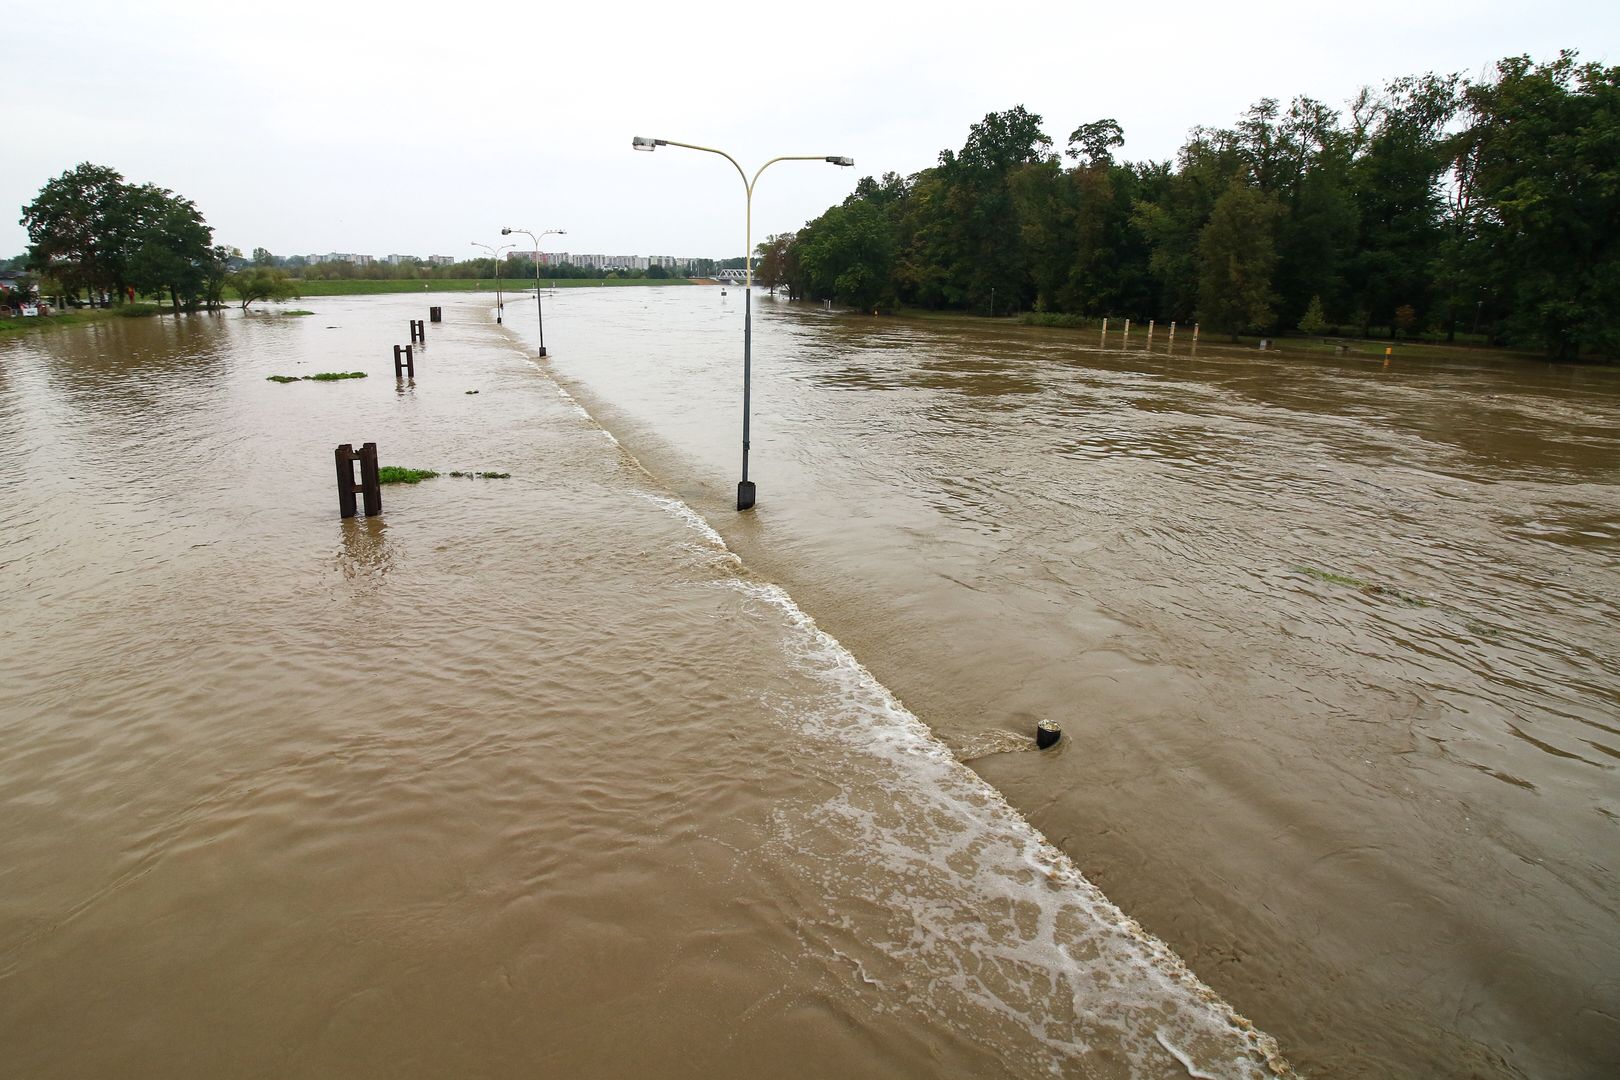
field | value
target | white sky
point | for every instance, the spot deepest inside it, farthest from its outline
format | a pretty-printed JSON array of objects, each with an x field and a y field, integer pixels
[{"x": 418, "y": 128}]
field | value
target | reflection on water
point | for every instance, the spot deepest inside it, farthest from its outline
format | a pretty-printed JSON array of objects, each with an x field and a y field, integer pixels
[
  {"x": 366, "y": 556},
  {"x": 1333, "y": 640}
]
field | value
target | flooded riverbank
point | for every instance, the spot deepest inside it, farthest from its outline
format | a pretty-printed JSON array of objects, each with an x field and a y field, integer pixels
[
  {"x": 1333, "y": 641},
  {"x": 530, "y": 775}
]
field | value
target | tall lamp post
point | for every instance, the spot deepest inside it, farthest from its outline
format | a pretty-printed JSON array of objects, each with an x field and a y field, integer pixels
[
  {"x": 495, "y": 253},
  {"x": 536, "y": 240},
  {"x": 745, "y": 489}
]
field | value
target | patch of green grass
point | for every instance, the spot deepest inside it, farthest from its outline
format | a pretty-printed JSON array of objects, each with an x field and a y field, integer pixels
[
  {"x": 1332, "y": 578},
  {"x": 56, "y": 320},
  {"x": 398, "y": 474},
  {"x": 1367, "y": 587},
  {"x": 482, "y": 475},
  {"x": 296, "y": 311},
  {"x": 138, "y": 311},
  {"x": 325, "y": 376}
]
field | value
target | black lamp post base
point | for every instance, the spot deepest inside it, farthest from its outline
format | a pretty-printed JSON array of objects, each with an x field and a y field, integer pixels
[
  {"x": 542, "y": 350},
  {"x": 745, "y": 495}
]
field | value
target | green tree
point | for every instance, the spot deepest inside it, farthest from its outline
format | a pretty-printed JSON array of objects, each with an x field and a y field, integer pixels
[
  {"x": 1548, "y": 189},
  {"x": 1313, "y": 322},
  {"x": 1236, "y": 256},
  {"x": 772, "y": 271},
  {"x": 261, "y": 283},
  {"x": 75, "y": 230},
  {"x": 173, "y": 245},
  {"x": 1095, "y": 143},
  {"x": 847, "y": 255}
]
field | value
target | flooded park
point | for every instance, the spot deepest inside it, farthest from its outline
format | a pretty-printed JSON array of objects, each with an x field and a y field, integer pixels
[{"x": 580, "y": 772}]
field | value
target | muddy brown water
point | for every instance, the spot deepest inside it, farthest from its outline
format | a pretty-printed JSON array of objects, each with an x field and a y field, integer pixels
[
  {"x": 546, "y": 776},
  {"x": 530, "y": 777},
  {"x": 1334, "y": 643}
]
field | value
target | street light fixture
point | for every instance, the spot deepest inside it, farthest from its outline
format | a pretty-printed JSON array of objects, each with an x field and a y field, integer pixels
[
  {"x": 536, "y": 239},
  {"x": 745, "y": 489},
  {"x": 495, "y": 253}
]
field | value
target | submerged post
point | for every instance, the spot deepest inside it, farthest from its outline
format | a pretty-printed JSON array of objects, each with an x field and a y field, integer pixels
[
  {"x": 404, "y": 361},
  {"x": 418, "y": 331},
  {"x": 1105, "y": 333},
  {"x": 1150, "y": 335},
  {"x": 1171, "y": 347},
  {"x": 1125, "y": 335},
  {"x": 436, "y": 314},
  {"x": 369, "y": 487}
]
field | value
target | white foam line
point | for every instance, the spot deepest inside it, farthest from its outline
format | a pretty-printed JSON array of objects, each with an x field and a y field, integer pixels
[{"x": 1186, "y": 1062}]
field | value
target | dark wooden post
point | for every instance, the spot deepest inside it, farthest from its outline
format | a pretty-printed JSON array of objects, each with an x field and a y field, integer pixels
[
  {"x": 345, "y": 478},
  {"x": 436, "y": 314},
  {"x": 418, "y": 331},
  {"x": 369, "y": 487},
  {"x": 404, "y": 361}
]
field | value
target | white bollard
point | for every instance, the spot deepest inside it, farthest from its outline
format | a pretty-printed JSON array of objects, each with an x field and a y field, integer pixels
[
  {"x": 1125, "y": 335},
  {"x": 1105, "y": 334},
  {"x": 1172, "y": 344},
  {"x": 1150, "y": 335}
]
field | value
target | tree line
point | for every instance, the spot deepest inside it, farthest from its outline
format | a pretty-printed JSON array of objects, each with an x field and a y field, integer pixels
[{"x": 1439, "y": 205}]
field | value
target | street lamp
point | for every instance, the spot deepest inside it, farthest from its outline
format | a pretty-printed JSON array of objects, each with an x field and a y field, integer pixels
[
  {"x": 495, "y": 253},
  {"x": 745, "y": 490},
  {"x": 536, "y": 239}
]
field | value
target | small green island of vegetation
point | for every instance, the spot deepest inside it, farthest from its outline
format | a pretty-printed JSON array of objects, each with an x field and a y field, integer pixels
[
  {"x": 325, "y": 376},
  {"x": 398, "y": 474}
]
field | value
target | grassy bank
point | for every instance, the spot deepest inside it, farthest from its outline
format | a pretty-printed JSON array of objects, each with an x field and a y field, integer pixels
[
  {"x": 56, "y": 320},
  {"x": 367, "y": 287}
]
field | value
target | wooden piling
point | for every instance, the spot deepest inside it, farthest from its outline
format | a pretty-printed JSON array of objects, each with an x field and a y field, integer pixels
[
  {"x": 369, "y": 487},
  {"x": 370, "y": 483},
  {"x": 404, "y": 361},
  {"x": 1125, "y": 335},
  {"x": 418, "y": 331},
  {"x": 1172, "y": 346},
  {"x": 1105, "y": 334},
  {"x": 436, "y": 314},
  {"x": 1150, "y": 335}
]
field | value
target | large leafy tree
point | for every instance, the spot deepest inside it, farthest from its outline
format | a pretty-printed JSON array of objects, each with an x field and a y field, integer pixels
[
  {"x": 1545, "y": 140},
  {"x": 174, "y": 246},
  {"x": 1236, "y": 256},
  {"x": 91, "y": 229},
  {"x": 76, "y": 230}
]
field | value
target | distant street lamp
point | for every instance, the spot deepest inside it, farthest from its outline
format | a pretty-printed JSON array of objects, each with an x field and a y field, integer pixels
[
  {"x": 495, "y": 253},
  {"x": 745, "y": 490},
  {"x": 536, "y": 240}
]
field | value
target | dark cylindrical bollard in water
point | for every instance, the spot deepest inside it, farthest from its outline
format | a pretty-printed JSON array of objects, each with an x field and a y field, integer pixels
[
  {"x": 435, "y": 314},
  {"x": 1047, "y": 734}
]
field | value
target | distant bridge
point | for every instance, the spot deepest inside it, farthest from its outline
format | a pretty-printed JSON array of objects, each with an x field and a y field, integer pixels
[{"x": 738, "y": 275}]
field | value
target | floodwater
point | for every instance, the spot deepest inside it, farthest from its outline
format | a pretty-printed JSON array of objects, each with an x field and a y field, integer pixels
[
  {"x": 533, "y": 776},
  {"x": 1333, "y": 642}
]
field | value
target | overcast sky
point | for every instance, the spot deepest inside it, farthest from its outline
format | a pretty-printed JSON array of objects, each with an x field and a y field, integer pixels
[{"x": 418, "y": 128}]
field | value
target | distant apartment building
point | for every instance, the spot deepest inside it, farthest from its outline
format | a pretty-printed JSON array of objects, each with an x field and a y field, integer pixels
[
  {"x": 441, "y": 260},
  {"x": 398, "y": 260}
]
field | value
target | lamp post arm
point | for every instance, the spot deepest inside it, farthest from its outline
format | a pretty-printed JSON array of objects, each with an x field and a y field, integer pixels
[{"x": 748, "y": 241}]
